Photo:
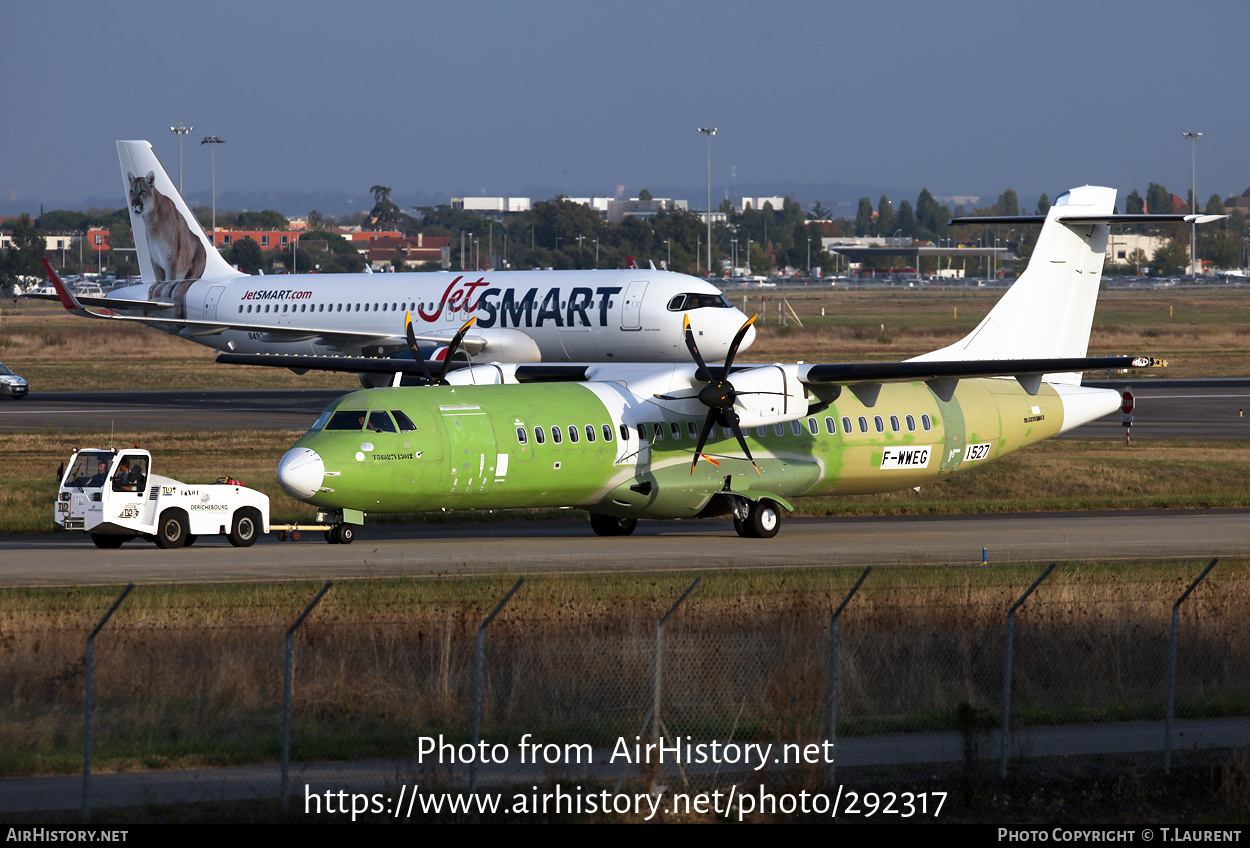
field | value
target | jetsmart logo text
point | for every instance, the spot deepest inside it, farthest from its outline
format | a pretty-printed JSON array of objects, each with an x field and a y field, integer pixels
[{"x": 277, "y": 294}]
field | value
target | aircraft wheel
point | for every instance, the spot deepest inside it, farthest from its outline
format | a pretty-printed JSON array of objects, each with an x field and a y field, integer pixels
[
  {"x": 107, "y": 541},
  {"x": 743, "y": 527},
  {"x": 171, "y": 530},
  {"x": 244, "y": 528},
  {"x": 347, "y": 534},
  {"x": 610, "y": 525},
  {"x": 764, "y": 519},
  {"x": 332, "y": 538}
]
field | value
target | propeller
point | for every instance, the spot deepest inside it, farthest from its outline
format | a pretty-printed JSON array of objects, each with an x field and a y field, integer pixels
[
  {"x": 441, "y": 379},
  {"x": 718, "y": 395}
]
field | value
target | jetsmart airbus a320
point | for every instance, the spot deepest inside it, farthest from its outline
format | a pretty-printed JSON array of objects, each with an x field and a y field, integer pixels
[
  {"x": 632, "y": 315},
  {"x": 625, "y": 442}
]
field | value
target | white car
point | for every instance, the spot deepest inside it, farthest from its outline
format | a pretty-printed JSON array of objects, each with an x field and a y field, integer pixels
[{"x": 12, "y": 385}]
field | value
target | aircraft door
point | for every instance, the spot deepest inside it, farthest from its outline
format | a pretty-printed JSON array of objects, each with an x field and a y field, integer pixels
[
  {"x": 210, "y": 302},
  {"x": 631, "y": 305},
  {"x": 471, "y": 456}
]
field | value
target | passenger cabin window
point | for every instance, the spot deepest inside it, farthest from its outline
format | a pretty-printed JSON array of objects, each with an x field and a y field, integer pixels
[
  {"x": 607, "y": 432},
  {"x": 540, "y": 435},
  {"x": 878, "y": 423},
  {"x": 675, "y": 429},
  {"x": 590, "y": 432},
  {"x": 795, "y": 427},
  {"x": 624, "y": 433},
  {"x": 522, "y": 436},
  {"x": 911, "y": 424},
  {"x": 813, "y": 426},
  {"x": 779, "y": 429},
  {"x": 925, "y": 422},
  {"x": 642, "y": 432},
  {"x": 572, "y": 432},
  {"x": 863, "y": 424},
  {"x": 830, "y": 427},
  {"x": 846, "y": 425},
  {"x": 894, "y": 423},
  {"x": 556, "y": 435},
  {"x": 657, "y": 431}
]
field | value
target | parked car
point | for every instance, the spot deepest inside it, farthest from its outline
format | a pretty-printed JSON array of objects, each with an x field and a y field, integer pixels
[{"x": 11, "y": 384}]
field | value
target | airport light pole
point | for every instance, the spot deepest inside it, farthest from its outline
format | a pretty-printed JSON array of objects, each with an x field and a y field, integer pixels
[
  {"x": 709, "y": 131},
  {"x": 213, "y": 141},
  {"x": 180, "y": 131},
  {"x": 1193, "y": 201}
]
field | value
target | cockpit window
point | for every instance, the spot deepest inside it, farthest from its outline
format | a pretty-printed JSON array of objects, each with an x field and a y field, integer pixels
[
  {"x": 404, "y": 422},
  {"x": 1062, "y": 200},
  {"x": 347, "y": 420},
  {"x": 322, "y": 419},
  {"x": 697, "y": 301},
  {"x": 381, "y": 422}
]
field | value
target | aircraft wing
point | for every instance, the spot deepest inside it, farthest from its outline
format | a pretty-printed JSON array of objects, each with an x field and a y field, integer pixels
[
  {"x": 852, "y": 373},
  {"x": 537, "y": 372}
]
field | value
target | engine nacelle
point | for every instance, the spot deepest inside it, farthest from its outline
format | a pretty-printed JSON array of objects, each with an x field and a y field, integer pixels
[
  {"x": 504, "y": 344},
  {"x": 767, "y": 395}
]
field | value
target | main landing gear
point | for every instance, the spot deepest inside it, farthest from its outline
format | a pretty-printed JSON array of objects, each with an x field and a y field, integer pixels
[
  {"x": 609, "y": 525},
  {"x": 762, "y": 521}
]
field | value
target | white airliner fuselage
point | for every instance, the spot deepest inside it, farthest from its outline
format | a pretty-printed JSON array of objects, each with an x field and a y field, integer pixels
[
  {"x": 189, "y": 290},
  {"x": 522, "y": 316}
]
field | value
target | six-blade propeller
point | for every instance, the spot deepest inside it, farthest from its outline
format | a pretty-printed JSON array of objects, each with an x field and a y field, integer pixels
[{"x": 718, "y": 395}]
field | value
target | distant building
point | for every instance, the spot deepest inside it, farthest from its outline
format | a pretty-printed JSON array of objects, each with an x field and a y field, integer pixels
[
  {"x": 1120, "y": 246},
  {"x": 619, "y": 210},
  {"x": 757, "y": 203},
  {"x": 491, "y": 207}
]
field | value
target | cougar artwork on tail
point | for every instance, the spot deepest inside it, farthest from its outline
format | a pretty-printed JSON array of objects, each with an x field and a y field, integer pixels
[{"x": 178, "y": 256}]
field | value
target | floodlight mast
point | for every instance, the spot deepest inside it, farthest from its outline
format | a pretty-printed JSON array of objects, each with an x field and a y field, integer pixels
[
  {"x": 180, "y": 131},
  {"x": 709, "y": 131},
  {"x": 1193, "y": 201}
]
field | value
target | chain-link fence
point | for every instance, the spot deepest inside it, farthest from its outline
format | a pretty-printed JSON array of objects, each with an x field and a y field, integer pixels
[{"x": 726, "y": 678}]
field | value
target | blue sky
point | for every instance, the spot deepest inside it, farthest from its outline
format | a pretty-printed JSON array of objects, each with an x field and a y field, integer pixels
[{"x": 583, "y": 97}]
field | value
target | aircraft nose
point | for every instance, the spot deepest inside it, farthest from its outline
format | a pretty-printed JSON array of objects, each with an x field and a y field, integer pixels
[{"x": 300, "y": 472}]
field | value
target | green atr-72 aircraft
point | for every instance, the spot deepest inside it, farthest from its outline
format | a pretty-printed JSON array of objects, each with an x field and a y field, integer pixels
[{"x": 630, "y": 441}]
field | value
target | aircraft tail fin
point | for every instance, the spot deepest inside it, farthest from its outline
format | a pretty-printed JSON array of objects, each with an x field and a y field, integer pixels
[
  {"x": 1049, "y": 311},
  {"x": 171, "y": 247}
]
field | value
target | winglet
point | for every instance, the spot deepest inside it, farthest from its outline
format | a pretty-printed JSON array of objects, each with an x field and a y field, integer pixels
[{"x": 62, "y": 291}]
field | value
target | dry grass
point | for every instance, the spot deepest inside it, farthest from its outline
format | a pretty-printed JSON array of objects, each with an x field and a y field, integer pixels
[
  {"x": 1202, "y": 333},
  {"x": 189, "y": 675},
  {"x": 1054, "y": 475},
  {"x": 56, "y": 351}
]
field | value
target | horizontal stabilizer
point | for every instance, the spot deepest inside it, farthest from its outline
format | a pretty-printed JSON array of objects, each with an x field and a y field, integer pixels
[
  {"x": 106, "y": 302},
  {"x": 1077, "y": 218}
]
